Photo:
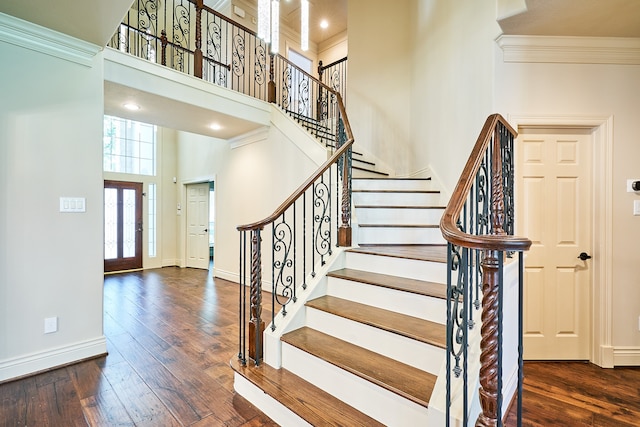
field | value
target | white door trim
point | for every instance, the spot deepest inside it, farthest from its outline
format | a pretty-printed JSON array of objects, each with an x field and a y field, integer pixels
[{"x": 602, "y": 351}]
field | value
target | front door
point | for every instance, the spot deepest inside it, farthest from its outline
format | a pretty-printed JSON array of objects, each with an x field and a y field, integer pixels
[
  {"x": 554, "y": 211},
  {"x": 198, "y": 225},
  {"x": 122, "y": 225}
]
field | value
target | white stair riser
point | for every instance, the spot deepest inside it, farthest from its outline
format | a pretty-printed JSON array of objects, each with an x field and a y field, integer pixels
[
  {"x": 357, "y": 173},
  {"x": 392, "y": 184},
  {"x": 399, "y": 215},
  {"x": 402, "y": 267},
  {"x": 420, "y": 306},
  {"x": 406, "y": 350},
  {"x": 377, "y": 402},
  {"x": 396, "y": 199},
  {"x": 399, "y": 236}
]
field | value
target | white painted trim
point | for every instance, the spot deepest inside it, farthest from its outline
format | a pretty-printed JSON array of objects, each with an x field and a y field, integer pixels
[
  {"x": 44, "y": 40},
  {"x": 257, "y": 135},
  {"x": 170, "y": 262},
  {"x": 226, "y": 275},
  {"x": 626, "y": 356},
  {"x": 570, "y": 50},
  {"x": 52, "y": 358},
  {"x": 602, "y": 205}
]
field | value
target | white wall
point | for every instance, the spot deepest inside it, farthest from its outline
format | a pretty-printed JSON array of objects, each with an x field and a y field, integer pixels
[
  {"x": 593, "y": 90},
  {"x": 251, "y": 180},
  {"x": 50, "y": 262},
  {"x": 380, "y": 79},
  {"x": 453, "y": 83}
]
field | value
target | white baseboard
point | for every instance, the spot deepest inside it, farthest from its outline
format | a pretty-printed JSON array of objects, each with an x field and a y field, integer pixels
[
  {"x": 226, "y": 275},
  {"x": 626, "y": 356},
  {"x": 52, "y": 358},
  {"x": 170, "y": 262}
]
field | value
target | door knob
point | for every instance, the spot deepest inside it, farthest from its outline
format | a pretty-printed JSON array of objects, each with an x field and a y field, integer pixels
[{"x": 584, "y": 256}]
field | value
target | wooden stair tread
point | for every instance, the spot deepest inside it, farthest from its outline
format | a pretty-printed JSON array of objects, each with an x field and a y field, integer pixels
[
  {"x": 399, "y": 179},
  {"x": 435, "y": 253},
  {"x": 397, "y": 207},
  {"x": 310, "y": 403},
  {"x": 421, "y": 287},
  {"x": 400, "y": 225},
  {"x": 402, "y": 379},
  {"x": 408, "y": 326},
  {"x": 398, "y": 191},
  {"x": 368, "y": 170}
]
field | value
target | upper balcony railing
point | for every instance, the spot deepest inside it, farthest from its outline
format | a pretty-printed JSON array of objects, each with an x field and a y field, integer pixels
[{"x": 192, "y": 38}]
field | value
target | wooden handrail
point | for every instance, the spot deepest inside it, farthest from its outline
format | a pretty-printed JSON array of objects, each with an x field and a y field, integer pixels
[
  {"x": 339, "y": 61},
  {"x": 448, "y": 223},
  {"x": 305, "y": 185}
]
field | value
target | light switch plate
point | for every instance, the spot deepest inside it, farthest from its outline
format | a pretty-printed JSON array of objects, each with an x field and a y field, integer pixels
[
  {"x": 636, "y": 207},
  {"x": 73, "y": 204}
]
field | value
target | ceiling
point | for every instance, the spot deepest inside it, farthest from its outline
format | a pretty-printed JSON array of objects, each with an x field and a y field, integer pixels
[
  {"x": 333, "y": 11},
  {"x": 591, "y": 18}
]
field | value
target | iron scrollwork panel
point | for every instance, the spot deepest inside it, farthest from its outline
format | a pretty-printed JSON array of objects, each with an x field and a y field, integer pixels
[{"x": 283, "y": 263}]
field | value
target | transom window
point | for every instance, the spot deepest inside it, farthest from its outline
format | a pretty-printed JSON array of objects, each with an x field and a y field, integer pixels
[{"x": 129, "y": 146}]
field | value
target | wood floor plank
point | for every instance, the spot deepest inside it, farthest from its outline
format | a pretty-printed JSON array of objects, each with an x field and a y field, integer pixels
[
  {"x": 408, "y": 326},
  {"x": 202, "y": 337},
  {"x": 421, "y": 287},
  {"x": 405, "y": 380}
]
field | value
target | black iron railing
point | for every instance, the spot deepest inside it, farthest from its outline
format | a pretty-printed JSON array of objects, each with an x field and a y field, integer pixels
[
  {"x": 299, "y": 237},
  {"x": 478, "y": 225},
  {"x": 334, "y": 75}
]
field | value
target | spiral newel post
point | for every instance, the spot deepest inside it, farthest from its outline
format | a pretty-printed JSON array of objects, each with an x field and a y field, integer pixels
[
  {"x": 490, "y": 329},
  {"x": 256, "y": 325},
  {"x": 163, "y": 49},
  {"x": 197, "y": 54},
  {"x": 489, "y": 342},
  {"x": 271, "y": 88}
]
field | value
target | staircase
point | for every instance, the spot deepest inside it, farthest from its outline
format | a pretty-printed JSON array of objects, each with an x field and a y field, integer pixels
[
  {"x": 362, "y": 167},
  {"x": 371, "y": 346}
]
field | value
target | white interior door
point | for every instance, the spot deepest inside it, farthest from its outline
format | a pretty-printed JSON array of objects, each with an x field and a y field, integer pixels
[
  {"x": 554, "y": 211},
  {"x": 198, "y": 225}
]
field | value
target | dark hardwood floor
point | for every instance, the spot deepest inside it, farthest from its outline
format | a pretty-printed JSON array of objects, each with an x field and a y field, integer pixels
[{"x": 171, "y": 333}]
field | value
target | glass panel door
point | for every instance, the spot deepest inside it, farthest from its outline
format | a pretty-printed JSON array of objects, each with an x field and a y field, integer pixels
[{"x": 122, "y": 225}]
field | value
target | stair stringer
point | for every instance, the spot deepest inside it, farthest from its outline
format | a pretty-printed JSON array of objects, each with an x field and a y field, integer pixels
[
  {"x": 437, "y": 403},
  {"x": 296, "y": 314}
]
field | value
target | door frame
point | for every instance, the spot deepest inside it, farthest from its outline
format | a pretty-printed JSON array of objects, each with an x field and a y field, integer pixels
[
  {"x": 182, "y": 197},
  {"x": 136, "y": 262},
  {"x": 602, "y": 351}
]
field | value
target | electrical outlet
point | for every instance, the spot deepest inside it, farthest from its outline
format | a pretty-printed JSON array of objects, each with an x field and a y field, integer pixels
[{"x": 50, "y": 325}]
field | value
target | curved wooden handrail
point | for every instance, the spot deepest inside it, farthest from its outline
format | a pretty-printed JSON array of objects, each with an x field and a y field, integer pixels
[
  {"x": 305, "y": 185},
  {"x": 448, "y": 223}
]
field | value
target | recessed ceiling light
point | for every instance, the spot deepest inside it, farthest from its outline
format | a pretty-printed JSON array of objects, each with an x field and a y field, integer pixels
[
  {"x": 131, "y": 106},
  {"x": 215, "y": 126},
  {"x": 324, "y": 24}
]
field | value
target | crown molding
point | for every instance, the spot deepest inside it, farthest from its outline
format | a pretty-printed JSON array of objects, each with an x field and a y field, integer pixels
[
  {"x": 570, "y": 50},
  {"x": 257, "y": 135},
  {"x": 44, "y": 40}
]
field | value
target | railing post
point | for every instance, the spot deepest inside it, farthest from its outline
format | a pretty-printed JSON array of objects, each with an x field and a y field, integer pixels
[
  {"x": 197, "y": 54},
  {"x": 256, "y": 325},
  {"x": 271, "y": 88},
  {"x": 320, "y": 94},
  {"x": 163, "y": 50},
  {"x": 489, "y": 342}
]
